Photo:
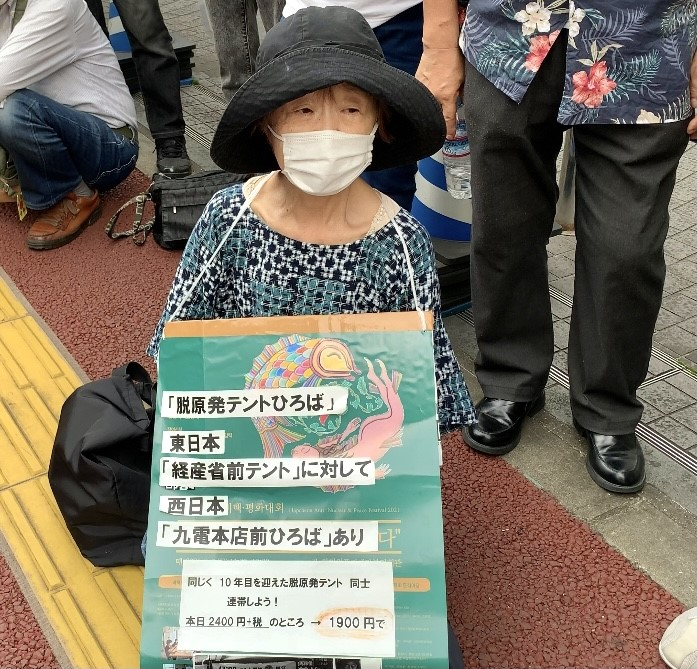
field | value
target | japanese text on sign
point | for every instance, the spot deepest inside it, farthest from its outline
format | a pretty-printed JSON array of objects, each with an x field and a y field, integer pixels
[
  {"x": 255, "y": 402},
  {"x": 303, "y": 536},
  {"x": 191, "y": 441},
  {"x": 266, "y": 472},
  {"x": 227, "y": 661},
  {"x": 194, "y": 505},
  {"x": 289, "y": 598}
]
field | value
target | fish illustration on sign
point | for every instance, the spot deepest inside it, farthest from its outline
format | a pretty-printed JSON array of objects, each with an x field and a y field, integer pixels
[
  {"x": 376, "y": 435},
  {"x": 295, "y": 361}
]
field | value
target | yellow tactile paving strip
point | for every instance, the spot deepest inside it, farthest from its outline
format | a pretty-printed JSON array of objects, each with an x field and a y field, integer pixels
[{"x": 94, "y": 612}]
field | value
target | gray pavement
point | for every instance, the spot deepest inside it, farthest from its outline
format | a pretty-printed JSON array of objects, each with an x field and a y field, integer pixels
[{"x": 656, "y": 529}]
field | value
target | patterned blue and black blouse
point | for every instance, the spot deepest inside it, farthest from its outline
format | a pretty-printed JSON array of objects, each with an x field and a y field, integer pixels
[{"x": 259, "y": 272}]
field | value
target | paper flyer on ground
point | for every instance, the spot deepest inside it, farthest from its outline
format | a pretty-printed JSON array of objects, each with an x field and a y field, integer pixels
[{"x": 295, "y": 514}]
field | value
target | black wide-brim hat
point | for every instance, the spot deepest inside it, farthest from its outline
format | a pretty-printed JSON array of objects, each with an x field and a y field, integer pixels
[{"x": 315, "y": 48}]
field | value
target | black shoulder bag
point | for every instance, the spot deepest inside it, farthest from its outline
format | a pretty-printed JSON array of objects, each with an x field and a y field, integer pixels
[{"x": 179, "y": 203}]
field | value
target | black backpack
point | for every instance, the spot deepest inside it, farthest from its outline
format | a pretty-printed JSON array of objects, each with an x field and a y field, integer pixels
[{"x": 100, "y": 465}]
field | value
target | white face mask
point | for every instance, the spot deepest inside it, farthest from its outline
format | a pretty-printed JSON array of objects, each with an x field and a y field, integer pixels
[{"x": 324, "y": 162}]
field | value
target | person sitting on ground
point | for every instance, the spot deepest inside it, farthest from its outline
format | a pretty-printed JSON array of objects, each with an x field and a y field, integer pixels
[
  {"x": 322, "y": 106},
  {"x": 67, "y": 118}
]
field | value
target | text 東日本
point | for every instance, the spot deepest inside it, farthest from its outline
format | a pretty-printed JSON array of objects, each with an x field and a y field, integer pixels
[{"x": 193, "y": 441}]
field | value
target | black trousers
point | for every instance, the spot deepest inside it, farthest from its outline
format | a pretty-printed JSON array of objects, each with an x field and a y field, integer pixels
[
  {"x": 624, "y": 181},
  {"x": 155, "y": 62}
]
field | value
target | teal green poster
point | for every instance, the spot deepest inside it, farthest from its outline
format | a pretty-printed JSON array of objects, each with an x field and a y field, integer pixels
[{"x": 295, "y": 510}]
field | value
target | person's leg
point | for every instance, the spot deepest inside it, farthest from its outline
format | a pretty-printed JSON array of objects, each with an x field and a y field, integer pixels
[
  {"x": 236, "y": 38},
  {"x": 514, "y": 191},
  {"x": 400, "y": 39},
  {"x": 60, "y": 154},
  {"x": 624, "y": 182},
  {"x": 97, "y": 10},
  {"x": 270, "y": 11},
  {"x": 55, "y": 147},
  {"x": 156, "y": 65},
  {"x": 158, "y": 74}
]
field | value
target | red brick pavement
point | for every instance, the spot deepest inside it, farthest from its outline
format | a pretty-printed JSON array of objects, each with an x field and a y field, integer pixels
[{"x": 528, "y": 584}]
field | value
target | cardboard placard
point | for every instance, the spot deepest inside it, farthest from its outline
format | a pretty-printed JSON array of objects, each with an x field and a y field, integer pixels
[{"x": 296, "y": 538}]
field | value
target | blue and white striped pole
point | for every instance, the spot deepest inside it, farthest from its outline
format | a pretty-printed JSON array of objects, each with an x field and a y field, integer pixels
[
  {"x": 440, "y": 213},
  {"x": 117, "y": 35}
]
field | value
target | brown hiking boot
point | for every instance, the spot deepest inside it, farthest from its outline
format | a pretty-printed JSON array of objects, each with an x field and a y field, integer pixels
[{"x": 64, "y": 221}]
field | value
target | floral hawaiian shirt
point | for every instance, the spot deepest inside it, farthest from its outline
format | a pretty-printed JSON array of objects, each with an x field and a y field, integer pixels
[{"x": 627, "y": 61}]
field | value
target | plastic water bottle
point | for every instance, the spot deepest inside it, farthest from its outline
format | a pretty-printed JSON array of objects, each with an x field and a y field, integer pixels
[{"x": 456, "y": 160}]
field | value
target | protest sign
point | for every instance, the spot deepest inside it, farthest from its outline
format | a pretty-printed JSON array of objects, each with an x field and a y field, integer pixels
[{"x": 295, "y": 513}]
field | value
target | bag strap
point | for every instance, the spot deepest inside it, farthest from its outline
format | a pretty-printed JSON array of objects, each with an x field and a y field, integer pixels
[
  {"x": 140, "y": 230},
  {"x": 134, "y": 371},
  {"x": 139, "y": 380}
]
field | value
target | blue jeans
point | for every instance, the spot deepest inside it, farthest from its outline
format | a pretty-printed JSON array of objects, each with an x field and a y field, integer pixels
[
  {"x": 236, "y": 36},
  {"x": 155, "y": 62},
  {"x": 400, "y": 39},
  {"x": 54, "y": 147}
]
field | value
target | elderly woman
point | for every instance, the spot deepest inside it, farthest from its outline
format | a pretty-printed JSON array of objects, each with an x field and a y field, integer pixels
[{"x": 310, "y": 236}]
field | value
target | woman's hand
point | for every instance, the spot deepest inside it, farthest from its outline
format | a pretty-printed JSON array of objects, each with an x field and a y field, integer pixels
[
  {"x": 442, "y": 71},
  {"x": 442, "y": 66}
]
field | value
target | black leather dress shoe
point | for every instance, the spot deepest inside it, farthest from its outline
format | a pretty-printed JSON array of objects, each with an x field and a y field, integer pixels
[
  {"x": 498, "y": 426},
  {"x": 615, "y": 461}
]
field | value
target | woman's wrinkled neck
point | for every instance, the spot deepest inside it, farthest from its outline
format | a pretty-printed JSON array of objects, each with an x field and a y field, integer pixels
[{"x": 331, "y": 219}]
